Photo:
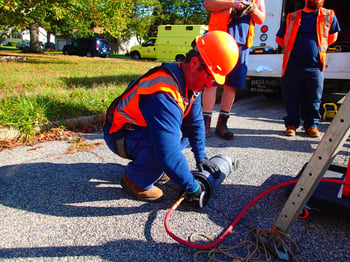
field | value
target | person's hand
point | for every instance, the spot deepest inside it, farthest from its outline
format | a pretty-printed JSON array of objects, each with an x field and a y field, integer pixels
[
  {"x": 242, "y": 8},
  {"x": 205, "y": 164},
  {"x": 198, "y": 197},
  {"x": 251, "y": 7},
  {"x": 237, "y": 5}
]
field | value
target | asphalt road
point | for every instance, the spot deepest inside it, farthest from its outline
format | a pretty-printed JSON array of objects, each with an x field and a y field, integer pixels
[{"x": 60, "y": 203}]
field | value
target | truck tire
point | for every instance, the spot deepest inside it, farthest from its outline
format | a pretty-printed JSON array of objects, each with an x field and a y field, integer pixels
[
  {"x": 179, "y": 58},
  {"x": 135, "y": 55}
]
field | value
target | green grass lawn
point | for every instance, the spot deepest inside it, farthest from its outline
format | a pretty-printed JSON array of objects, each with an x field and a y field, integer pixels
[{"x": 53, "y": 87}]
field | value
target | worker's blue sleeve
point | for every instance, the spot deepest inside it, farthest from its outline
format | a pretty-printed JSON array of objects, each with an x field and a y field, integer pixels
[
  {"x": 164, "y": 120},
  {"x": 193, "y": 128},
  {"x": 335, "y": 27}
]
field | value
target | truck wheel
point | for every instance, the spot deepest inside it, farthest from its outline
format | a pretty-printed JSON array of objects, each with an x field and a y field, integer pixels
[
  {"x": 65, "y": 52},
  {"x": 338, "y": 48},
  {"x": 89, "y": 54},
  {"x": 179, "y": 58},
  {"x": 135, "y": 55}
]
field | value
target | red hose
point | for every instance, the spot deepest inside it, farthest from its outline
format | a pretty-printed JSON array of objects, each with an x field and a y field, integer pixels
[{"x": 233, "y": 224}]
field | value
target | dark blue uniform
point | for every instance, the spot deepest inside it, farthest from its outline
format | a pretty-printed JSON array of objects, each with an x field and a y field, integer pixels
[{"x": 303, "y": 80}]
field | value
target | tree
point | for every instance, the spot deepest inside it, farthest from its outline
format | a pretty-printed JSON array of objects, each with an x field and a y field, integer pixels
[
  {"x": 66, "y": 16},
  {"x": 142, "y": 20},
  {"x": 148, "y": 15},
  {"x": 116, "y": 18},
  {"x": 22, "y": 14},
  {"x": 182, "y": 12}
]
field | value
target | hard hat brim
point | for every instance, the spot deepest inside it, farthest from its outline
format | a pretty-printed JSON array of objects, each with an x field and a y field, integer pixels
[{"x": 220, "y": 79}]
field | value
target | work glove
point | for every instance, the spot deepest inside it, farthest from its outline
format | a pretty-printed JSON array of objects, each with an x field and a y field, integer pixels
[
  {"x": 205, "y": 164},
  {"x": 198, "y": 197}
]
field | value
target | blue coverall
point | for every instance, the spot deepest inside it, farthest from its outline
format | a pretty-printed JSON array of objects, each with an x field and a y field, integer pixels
[
  {"x": 157, "y": 148},
  {"x": 303, "y": 80}
]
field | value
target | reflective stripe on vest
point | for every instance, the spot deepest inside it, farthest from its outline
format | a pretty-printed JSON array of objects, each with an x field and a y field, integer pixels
[
  {"x": 127, "y": 110},
  {"x": 219, "y": 21},
  {"x": 251, "y": 29},
  {"x": 323, "y": 24}
]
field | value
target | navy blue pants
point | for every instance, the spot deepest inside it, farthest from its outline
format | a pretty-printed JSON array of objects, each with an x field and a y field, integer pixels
[
  {"x": 302, "y": 93},
  {"x": 144, "y": 169}
]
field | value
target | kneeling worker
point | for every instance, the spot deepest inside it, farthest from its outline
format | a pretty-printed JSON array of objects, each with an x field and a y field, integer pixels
[{"x": 160, "y": 112}]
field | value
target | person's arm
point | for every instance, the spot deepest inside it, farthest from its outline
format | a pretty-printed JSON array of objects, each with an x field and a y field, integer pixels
[
  {"x": 193, "y": 128},
  {"x": 280, "y": 34},
  {"x": 259, "y": 13},
  {"x": 332, "y": 38},
  {"x": 226, "y": 6},
  {"x": 333, "y": 33},
  {"x": 164, "y": 118},
  {"x": 222, "y": 5},
  {"x": 280, "y": 41}
]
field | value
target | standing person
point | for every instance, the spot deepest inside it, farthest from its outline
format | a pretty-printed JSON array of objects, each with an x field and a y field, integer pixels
[
  {"x": 160, "y": 112},
  {"x": 238, "y": 19},
  {"x": 305, "y": 37}
]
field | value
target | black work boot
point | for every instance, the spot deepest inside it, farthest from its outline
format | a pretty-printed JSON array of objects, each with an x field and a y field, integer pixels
[
  {"x": 207, "y": 120},
  {"x": 221, "y": 127}
]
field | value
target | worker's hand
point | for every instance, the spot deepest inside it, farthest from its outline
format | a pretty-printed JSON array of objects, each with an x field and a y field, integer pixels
[
  {"x": 249, "y": 6},
  {"x": 245, "y": 7},
  {"x": 198, "y": 197},
  {"x": 205, "y": 164}
]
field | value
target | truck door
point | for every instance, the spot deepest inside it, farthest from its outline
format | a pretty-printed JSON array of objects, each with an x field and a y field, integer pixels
[{"x": 265, "y": 34}]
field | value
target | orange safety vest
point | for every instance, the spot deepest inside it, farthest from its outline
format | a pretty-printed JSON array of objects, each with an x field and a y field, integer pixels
[
  {"x": 219, "y": 21},
  {"x": 125, "y": 112},
  {"x": 323, "y": 25}
]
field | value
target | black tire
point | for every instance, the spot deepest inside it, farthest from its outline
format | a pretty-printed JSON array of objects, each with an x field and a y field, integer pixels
[
  {"x": 179, "y": 58},
  {"x": 135, "y": 55}
]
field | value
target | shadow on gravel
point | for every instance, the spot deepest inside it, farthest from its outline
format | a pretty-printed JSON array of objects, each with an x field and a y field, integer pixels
[
  {"x": 65, "y": 189},
  {"x": 126, "y": 250}
]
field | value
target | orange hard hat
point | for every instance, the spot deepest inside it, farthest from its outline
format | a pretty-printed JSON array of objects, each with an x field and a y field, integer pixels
[{"x": 219, "y": 52}]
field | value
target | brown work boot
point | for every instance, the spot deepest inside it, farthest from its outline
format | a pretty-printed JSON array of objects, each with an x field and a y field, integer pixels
[
  {"x": 312, "y": 131},
  {"x": 207, "y": 120},
  {"x": 290, "y": 131},
  {"x": 149, "y": 195},
  {"x": 221, "y": 128}
]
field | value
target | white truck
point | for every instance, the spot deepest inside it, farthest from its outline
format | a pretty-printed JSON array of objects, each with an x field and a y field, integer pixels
[{"x": 265, "y": 60}]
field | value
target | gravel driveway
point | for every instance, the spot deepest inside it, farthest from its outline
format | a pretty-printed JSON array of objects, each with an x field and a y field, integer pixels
[{"x": 61, "y": 203}]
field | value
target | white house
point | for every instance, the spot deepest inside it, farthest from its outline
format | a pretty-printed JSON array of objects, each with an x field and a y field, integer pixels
[{"x": 43, "y": 37}]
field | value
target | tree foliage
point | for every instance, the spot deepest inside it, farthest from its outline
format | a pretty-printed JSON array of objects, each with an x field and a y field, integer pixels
[
  {"x": 68, "y": 17},
  {"x": 148, "y": 15},
  {"x": 142, "y": 19},
  {"x": 115, "y": 18},
  {"x": 183, "y": 12}
]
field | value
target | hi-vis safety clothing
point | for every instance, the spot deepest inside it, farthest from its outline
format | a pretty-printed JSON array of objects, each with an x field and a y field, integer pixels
[
  {"x": 324, "y": 21},
  {"x": 151, "y": 122},
  {"x": 161, "y": 79},
  {"x": 219, "y": 21}
]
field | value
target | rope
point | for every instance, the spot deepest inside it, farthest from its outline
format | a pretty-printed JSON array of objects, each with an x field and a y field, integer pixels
[{"x": 254, "y": 245}]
